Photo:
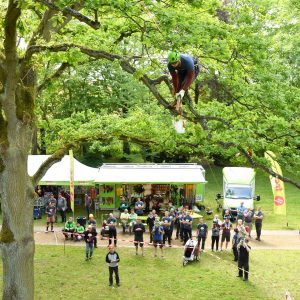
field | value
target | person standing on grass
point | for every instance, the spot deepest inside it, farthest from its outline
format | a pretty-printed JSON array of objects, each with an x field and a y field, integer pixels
[
  {"x": 248, "y": 220},
  {"x": 243, "y": 260},
  {"x": 139, "y": 207},
  {"x": 87, "y": 204},
  {"x": 172, "y": 216},
  {"x": 235, "y": 241},
  {"x": 89, "y": 242},
  {"x": 166, "y": 223},
  {"x": 258, "y": 216},
  {"x": 139, "y": 229},
  {"x": 157, "y": 233},
  {"x": 240, "y": 211},
  {"x": 50, "y": 212},
  {"x": 202, "y": 229},
  {"x": 62, "y": 207},
  {"x": 93, "y": 222},
  {"x": 112, "y": 231},
  {"x": 150, "y": 221},
  {"x": 124, "y": 219},
  {"x": 132, "y": 220},
  {"x": 215, "y": 235},
  {"x": 112, "y": 258},
  {"x": 226, "y": 227},
  {"x": 187, "y": 222},
  {"x": 227, "y": 215}
]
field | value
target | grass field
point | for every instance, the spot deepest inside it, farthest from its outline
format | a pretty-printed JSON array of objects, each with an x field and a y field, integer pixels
[{"x": 69, "y": 276}]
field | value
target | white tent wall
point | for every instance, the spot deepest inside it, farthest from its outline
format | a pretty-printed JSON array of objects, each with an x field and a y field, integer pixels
[{"x": 59, "y": 173}]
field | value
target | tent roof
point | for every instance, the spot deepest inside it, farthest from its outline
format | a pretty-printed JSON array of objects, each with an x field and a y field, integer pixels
[
  {"x": 239, "y": 175},
  {"x": 59, "y": 173},
  {"x": 150, "y": 173}
]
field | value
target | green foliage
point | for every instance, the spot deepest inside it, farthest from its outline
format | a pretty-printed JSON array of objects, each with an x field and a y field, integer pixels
[{"x": 248, "y": 52}]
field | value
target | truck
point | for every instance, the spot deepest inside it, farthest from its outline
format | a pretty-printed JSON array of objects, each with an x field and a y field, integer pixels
[{"x": 238, "y": 185}]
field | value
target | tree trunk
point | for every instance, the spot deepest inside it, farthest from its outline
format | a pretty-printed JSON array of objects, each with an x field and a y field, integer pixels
[
  {"x": 17, "y": 240},
  {"x": 34, "y": 146}
]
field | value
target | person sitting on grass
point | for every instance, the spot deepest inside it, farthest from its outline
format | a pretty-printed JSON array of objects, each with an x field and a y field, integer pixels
[
  {"x": 89, "y": 242},
  {"x": 69, "y": 228},
  {"x": 79, "y": 230},
  {"x": 139, "y": 229},
  {"x": 157, "y": 233}
]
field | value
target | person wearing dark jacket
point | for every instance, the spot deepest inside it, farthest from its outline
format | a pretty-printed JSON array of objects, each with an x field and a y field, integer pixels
[
  {"x": 202, "y": 229},
  {"x": 215, "y": 235},
  {"x": 139, "y": 229},
  {"x": 183, "y": 69},
  {"x": 258, "y": 216},
  {"x": 150, "y": 221},
  {"x": 89, "y": 242},
  {"x": 243, "y": 261},
  {"x": 112, "y": 258},
  {"x": 235, "y": 241}
]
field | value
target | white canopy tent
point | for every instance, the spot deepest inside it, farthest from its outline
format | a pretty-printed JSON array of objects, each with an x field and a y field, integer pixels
[
  {"x": 151, "y": 173},
  {"x": 59, "y": 173}
]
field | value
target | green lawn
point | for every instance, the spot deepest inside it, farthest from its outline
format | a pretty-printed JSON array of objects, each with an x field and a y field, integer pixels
[
  {"x": 263, "y": 188},
  {"x": 69, "y": 276}
]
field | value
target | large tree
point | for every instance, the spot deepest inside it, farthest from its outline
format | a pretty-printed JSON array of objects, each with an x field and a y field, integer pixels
[{"x": 244, "y": 98}]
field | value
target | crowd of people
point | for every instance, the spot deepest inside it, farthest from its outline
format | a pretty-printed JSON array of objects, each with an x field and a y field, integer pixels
[{"x": 175, "y": 223}]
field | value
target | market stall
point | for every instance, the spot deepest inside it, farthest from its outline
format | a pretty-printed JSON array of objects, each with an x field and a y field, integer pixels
[{"x": 157, "y": 184}]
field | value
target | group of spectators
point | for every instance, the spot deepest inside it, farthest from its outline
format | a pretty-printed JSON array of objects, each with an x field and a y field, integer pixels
[{"x": 175, "y": 222}]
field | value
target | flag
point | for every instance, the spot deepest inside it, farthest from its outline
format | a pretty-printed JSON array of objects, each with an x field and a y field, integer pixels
[
  {"x": 71, "y": 180},
  {"x": 277, "y": 185}
]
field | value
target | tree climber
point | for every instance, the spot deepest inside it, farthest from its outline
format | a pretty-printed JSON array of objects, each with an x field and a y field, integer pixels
[{"x": 183, "y": 69}]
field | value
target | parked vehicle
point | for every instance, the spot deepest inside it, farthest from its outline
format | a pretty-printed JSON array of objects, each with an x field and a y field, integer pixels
[{"x": 238, "y": 185}]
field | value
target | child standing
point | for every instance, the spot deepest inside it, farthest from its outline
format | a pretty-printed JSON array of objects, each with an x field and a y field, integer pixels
[
  {"x": 89, "y": 242},
  {"x": 112, "y": 258}
]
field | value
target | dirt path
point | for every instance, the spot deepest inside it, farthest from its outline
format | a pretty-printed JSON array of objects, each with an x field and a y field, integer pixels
[{"x": 270, "y": 239}]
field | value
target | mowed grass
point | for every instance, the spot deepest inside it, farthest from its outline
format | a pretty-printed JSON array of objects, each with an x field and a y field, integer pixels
[
  {"x": 69, "y": 276},
  {"x": 263, "y": 188}
]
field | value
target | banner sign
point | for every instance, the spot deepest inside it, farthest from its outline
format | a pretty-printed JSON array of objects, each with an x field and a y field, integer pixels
[
  {"x": 71, "y": 180},
  {"x": 277, "y": 185}
]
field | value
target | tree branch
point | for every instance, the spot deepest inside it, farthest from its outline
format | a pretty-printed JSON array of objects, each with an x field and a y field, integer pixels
[
  {"x": 56, "y": 74},
  {"x": 266, "y": 169},
  {"x": 72, "y": 12},
  {"x": 59, "y": 154}
]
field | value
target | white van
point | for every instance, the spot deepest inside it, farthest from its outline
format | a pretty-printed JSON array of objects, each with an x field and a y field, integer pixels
[{"x": 238, "y": 185}]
